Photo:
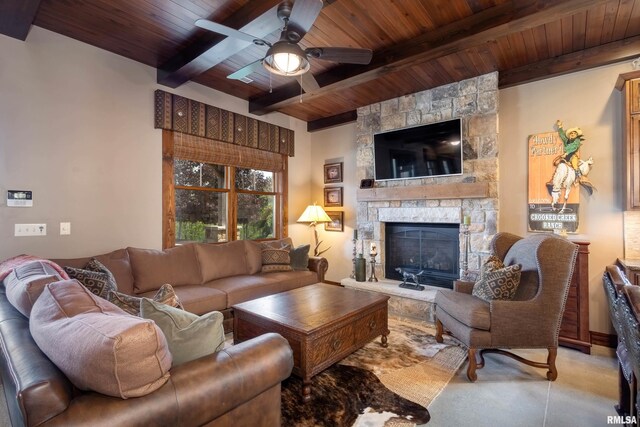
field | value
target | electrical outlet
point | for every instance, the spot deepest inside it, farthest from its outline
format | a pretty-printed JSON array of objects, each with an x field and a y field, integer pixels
[{"x": 30, "y": 230}]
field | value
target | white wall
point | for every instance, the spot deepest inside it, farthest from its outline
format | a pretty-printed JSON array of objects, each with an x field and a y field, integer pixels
[
  {"x": 330, "y": 146},
  {"x": 76, "y": 128}
]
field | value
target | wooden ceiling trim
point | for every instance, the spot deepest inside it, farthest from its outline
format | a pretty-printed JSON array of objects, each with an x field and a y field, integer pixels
[
  {"x": 633, "y": 27},
  {"x": 256, "y": 18},
  {"x": 16, "y": 17},
  {"x": 329, "y": 122},
  {"x": 609, "y": 53},
  {"x": 477, "y": 29}
]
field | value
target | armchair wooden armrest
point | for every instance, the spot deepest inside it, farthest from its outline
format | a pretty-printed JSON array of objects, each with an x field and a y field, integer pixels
[{"x": 463, "y": 286}]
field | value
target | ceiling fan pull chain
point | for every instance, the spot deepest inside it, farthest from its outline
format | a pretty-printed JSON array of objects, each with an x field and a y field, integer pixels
[
  {"x": 270, "y": 83},
  {"x": 300, "y": 88}
]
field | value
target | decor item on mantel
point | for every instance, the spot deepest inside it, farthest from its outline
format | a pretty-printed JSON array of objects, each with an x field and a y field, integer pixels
[
  {"x": 312, "y": 215},
  {"x": 466, "y": 242}
]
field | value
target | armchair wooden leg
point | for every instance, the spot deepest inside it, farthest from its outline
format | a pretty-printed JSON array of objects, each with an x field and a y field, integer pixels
[
  {"x": 552, "y": 373},
  {"x": 439, "y": 329},
  {"x": 473, "y": 364}
]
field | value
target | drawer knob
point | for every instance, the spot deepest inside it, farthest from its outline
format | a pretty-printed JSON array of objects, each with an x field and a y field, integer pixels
[
  {"x": 336, "y": 344},
  {"x": 372, "y": 324}
]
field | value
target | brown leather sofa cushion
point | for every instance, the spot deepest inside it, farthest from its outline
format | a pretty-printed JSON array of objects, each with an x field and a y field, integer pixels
[
  {"x": 153, "y": 268},
  {"x": 222, "y": 260},
  {"x": 198, "y": 299},
  {"x": 97, "y": 345},
  {"x": 25, "y": 284}
]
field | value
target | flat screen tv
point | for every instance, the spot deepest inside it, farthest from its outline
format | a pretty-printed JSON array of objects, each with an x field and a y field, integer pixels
[{"x": 422, "y": 151}]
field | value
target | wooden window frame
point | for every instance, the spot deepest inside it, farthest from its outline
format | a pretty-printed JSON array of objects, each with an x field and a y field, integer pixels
[{"x": 169, "y": 189}]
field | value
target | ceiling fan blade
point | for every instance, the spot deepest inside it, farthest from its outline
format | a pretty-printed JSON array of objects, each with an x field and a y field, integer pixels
[
  {"x": 227, "y": 31},
  {"x": 345, "y": 55},
  {"x": 303, "y": 15},
  {"x": 246, "y": 70},
  {"x": 308, "y": 82}
]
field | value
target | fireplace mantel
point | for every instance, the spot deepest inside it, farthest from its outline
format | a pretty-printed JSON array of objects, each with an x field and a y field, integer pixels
[{"x": 458, "y": 190}]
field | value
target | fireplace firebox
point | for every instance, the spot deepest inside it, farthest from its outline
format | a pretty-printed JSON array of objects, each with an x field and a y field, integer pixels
[{"x": 428, "y": 253}]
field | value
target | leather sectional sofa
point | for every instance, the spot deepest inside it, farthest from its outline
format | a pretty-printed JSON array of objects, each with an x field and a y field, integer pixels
[{"x": 239, "y": 385}]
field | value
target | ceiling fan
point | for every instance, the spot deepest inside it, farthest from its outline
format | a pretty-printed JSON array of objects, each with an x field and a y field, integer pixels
[{"x": 285, "y": 57}]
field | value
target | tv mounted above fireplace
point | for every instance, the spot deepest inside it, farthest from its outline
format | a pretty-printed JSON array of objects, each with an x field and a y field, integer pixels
[{"x": 421, "y": 151}]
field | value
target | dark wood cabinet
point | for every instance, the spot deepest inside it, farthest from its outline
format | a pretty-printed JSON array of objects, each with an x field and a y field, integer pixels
[
  {"x": 574, "y": 329},
  {"x": 629, "y": 84}
]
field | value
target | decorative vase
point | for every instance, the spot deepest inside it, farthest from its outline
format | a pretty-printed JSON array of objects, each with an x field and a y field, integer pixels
[{"x": 361, "y": 269}]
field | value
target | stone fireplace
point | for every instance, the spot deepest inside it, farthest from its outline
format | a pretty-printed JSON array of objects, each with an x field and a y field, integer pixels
[{"x": 438, "y": 200}]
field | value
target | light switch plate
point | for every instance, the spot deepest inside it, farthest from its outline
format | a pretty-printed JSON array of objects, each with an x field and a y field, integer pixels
[{"x": 65, "y": 228}]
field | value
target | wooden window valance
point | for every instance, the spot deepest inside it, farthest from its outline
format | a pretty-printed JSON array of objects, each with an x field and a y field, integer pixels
[
  {"x": 198, "y": 149},
  {"x": 180, "y": 114}
]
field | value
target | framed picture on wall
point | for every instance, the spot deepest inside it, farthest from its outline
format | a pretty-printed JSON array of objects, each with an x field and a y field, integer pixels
[
  {"x": 333, "y": 197},
  {"x": 337, "y": 221},
  {"x": 332, "y": 173}
]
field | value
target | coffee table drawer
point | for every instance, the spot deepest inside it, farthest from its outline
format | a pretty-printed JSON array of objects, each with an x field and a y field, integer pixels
[{"x": 329, "y": 346}]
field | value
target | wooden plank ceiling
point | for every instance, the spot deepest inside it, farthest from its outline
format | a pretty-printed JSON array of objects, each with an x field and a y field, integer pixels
[{"x": 417, "y": 44}]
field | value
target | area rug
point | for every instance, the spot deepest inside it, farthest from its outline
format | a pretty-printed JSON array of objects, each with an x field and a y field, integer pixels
[{"x": 378, "y": 386}]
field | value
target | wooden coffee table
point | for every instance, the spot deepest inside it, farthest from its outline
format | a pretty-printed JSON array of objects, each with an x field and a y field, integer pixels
[{"x": 323, "y": 324}]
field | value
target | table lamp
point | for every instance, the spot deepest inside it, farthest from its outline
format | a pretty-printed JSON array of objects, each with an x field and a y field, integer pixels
[{"x": 312, "y": 215}]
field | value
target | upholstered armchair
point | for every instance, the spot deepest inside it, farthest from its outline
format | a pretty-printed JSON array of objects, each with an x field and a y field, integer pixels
[{"x": 531, "y": 319}]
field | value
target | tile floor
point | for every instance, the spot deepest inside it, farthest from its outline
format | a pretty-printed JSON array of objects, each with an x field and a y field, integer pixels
[{"x": 508, "y": 393}]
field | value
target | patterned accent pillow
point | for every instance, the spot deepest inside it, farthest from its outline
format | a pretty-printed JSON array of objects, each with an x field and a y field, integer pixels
[
  {"x": 130, "y": 304},
  {"x": 95, "y": 265},
  {"x": 97, "y": 282},
  {"x": 276, "y": 260},
  {"x": 497, "y": 281}
]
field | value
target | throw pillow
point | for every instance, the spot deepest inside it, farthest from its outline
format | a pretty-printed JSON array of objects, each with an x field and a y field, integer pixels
[
  {"x": 95, "y": 265},
  {"x": 188, "y": 335},
  {"x": 26, "y": 282},
  {"x": 96, "y": 345},
  {"x": 300, "y": 257},
  {"x": 130, "y": 304},
  {"x": 98, "y": 282},
  {"x": 276, "y": 260},
  {"x": 497, "y": 281}
]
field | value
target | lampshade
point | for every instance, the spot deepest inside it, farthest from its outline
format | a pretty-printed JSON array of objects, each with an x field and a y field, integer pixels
[
  {"x": 314, "y": 213},
  {"x": 286, "y": 59}
]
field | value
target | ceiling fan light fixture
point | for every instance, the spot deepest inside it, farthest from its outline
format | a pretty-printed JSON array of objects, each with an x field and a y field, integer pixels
[{"x": 286, "y": 59}]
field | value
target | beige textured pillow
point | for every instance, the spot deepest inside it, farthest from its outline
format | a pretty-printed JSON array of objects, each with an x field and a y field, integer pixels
[
  {"x": 96, "y": 345},
  {"x": 189, "y": 336},
  {"x": 25, "y": 284}
]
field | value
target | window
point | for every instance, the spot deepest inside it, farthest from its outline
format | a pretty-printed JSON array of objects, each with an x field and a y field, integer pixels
[{"x": 208, "y": 202}]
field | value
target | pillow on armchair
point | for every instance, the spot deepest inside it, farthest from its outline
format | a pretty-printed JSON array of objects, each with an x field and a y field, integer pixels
[{"x": 497, "y": 281}]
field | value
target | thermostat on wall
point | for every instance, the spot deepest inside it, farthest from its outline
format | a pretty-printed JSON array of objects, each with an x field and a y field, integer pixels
[{"x": 20, "y": 198}]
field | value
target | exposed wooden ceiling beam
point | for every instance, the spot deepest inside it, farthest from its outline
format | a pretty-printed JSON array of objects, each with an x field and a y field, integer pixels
[
  {"x": 16, "y": 17},
  {"x": 258, "y": 18},
  {"x": 329, "y": 122},
  {"x": 572, "y": 62},
  {"x": 473, "y": 31}
]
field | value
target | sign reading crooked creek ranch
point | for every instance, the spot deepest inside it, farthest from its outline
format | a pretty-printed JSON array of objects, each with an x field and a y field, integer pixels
[{"x": 542, "y": 216}]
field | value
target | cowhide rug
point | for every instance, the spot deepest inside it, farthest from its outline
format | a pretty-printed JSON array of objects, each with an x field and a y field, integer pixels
[{"x": 377, "y": 386}]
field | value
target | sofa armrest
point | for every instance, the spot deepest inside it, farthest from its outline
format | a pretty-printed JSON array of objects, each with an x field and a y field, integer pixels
[
  {"x": 197, "y": 392},
  {"x": 320, "y": 265},
  {"x": 463, "y": 286}
]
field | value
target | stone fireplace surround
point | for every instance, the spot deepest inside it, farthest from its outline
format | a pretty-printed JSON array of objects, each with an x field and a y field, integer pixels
[{"x": 440, "y": 199}]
